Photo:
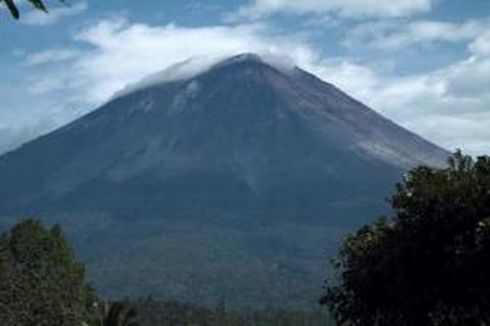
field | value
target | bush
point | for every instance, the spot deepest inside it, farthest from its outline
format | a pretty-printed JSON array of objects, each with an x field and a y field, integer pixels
[
  {"x": 40, "y": 281},
  {"x": 429, "y": 265}
]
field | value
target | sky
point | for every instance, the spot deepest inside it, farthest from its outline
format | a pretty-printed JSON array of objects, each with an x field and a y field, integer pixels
[{"x": 424, "y": 64}]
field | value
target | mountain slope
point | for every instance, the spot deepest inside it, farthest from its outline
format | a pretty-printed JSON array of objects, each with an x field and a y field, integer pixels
[{"x": 271, "y": 162}]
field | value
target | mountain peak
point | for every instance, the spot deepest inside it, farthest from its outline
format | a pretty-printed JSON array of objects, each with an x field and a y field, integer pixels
[
  {"x": 281, "y": 62},
  {"x": 217, "y": 159},
  {"x": 195, "y": 66},
  {"x": 243, "y": 57}
]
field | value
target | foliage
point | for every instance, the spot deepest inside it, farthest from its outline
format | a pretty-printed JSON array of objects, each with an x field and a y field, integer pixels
[
  {"x": 188, "y": 261},
  {"x": 169, "y": 313},
  {"x": 119, "y": 314},
  {"x": 14, "y": 11},
  {"x": 40, "y": 281},
  {"x": 429, "y": 264}
]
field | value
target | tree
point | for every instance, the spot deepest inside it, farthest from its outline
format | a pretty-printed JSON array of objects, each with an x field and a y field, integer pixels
[
  {"x": 429, "y": 265},
  {"x": 40, "y": 282},
  {"x": 119, "y": 314},
  {"x": 14, "y": 11}
]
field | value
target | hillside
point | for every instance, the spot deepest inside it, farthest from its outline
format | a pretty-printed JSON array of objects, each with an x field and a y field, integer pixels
[{"x": 231, "y": 184}]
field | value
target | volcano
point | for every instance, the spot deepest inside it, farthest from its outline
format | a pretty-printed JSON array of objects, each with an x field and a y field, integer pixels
[{"x": 233, "y": 183}]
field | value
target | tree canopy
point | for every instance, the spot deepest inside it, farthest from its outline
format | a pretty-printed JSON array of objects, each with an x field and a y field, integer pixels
[
  {"x": 40, "y": 281},
  {"x": 429, "y": 264},
  {"x": 119, "y": 314}
]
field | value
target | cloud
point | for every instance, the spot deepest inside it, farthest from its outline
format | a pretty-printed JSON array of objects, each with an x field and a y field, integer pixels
[
  {"x": 52, "y": 55},
  {"x": 481, "y": 46},
  {"x": 395, "y": 35},
  {"x": 448, "y": 106},
  {"x": 344, "y": 8},
  {"x": 470, "y": 78},
  {"x": 440, "y": 105},
  {"x": 36, "y": 17},
  {"x": 13, "y": 136},
  {"x": 120, "y": 53}
]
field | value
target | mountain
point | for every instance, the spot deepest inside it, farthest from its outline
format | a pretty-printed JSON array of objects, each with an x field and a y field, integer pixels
[{"x": 232, "y": 183}]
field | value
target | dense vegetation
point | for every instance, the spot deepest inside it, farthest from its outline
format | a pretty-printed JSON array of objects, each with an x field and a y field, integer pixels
[
  {"x": 429, "y": 264},
  {"x": 169, "y": 313},
  {"x": 40, "y": 281},
  {"x": 426, "y": 266},
  {"x": 42, "y": 284},
  {"x": 204, "y": 262}
]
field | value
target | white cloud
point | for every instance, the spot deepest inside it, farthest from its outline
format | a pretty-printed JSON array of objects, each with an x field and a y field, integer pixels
[
  {"x": 12, "y": 137},
  {"x": 36, "y": 17},
  {"x": 448, "y": 106},
  {"x": 481, "y": 46},
  {"x": 470, "y": 77},
  {"x": 395, "y": 35},
  {"x": 121, "y": 53},
  {"x": 344, "y": 8},
  {"x": 52, "y": 55}
]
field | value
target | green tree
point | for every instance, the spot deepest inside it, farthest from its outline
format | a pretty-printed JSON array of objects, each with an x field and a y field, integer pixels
[
  {"x": 40, "y": 282},
  {"x": 14, "y": 11},
  {"x": 429, "y": 265},
  {"x": 119, "y": 314}
]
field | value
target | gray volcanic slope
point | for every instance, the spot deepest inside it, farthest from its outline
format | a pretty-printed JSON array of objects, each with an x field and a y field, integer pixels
[{"x": 233, "y": 184}]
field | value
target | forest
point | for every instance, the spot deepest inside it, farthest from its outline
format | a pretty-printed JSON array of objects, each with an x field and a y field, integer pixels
[{"x": 425, "y": 266}]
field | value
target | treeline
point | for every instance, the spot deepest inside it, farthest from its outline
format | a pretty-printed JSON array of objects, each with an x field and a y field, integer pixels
[
  {"x": 171, "y": 313},
  {"x": 428, "y": 265},
  {"x": 42, "y": 284}
]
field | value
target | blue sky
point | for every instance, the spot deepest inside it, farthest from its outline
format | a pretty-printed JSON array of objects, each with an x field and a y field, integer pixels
[{"x": 422, "y": 63}]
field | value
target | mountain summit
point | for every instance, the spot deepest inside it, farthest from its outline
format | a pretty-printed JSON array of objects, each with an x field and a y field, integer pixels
[{"x": 234, "y": 168}]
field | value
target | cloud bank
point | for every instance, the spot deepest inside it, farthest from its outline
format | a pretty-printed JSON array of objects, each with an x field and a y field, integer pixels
[
  {"x": 344, "y": 8},
  {"x": 394, "y": 35},
  {"x": 120, "y": 53}
]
